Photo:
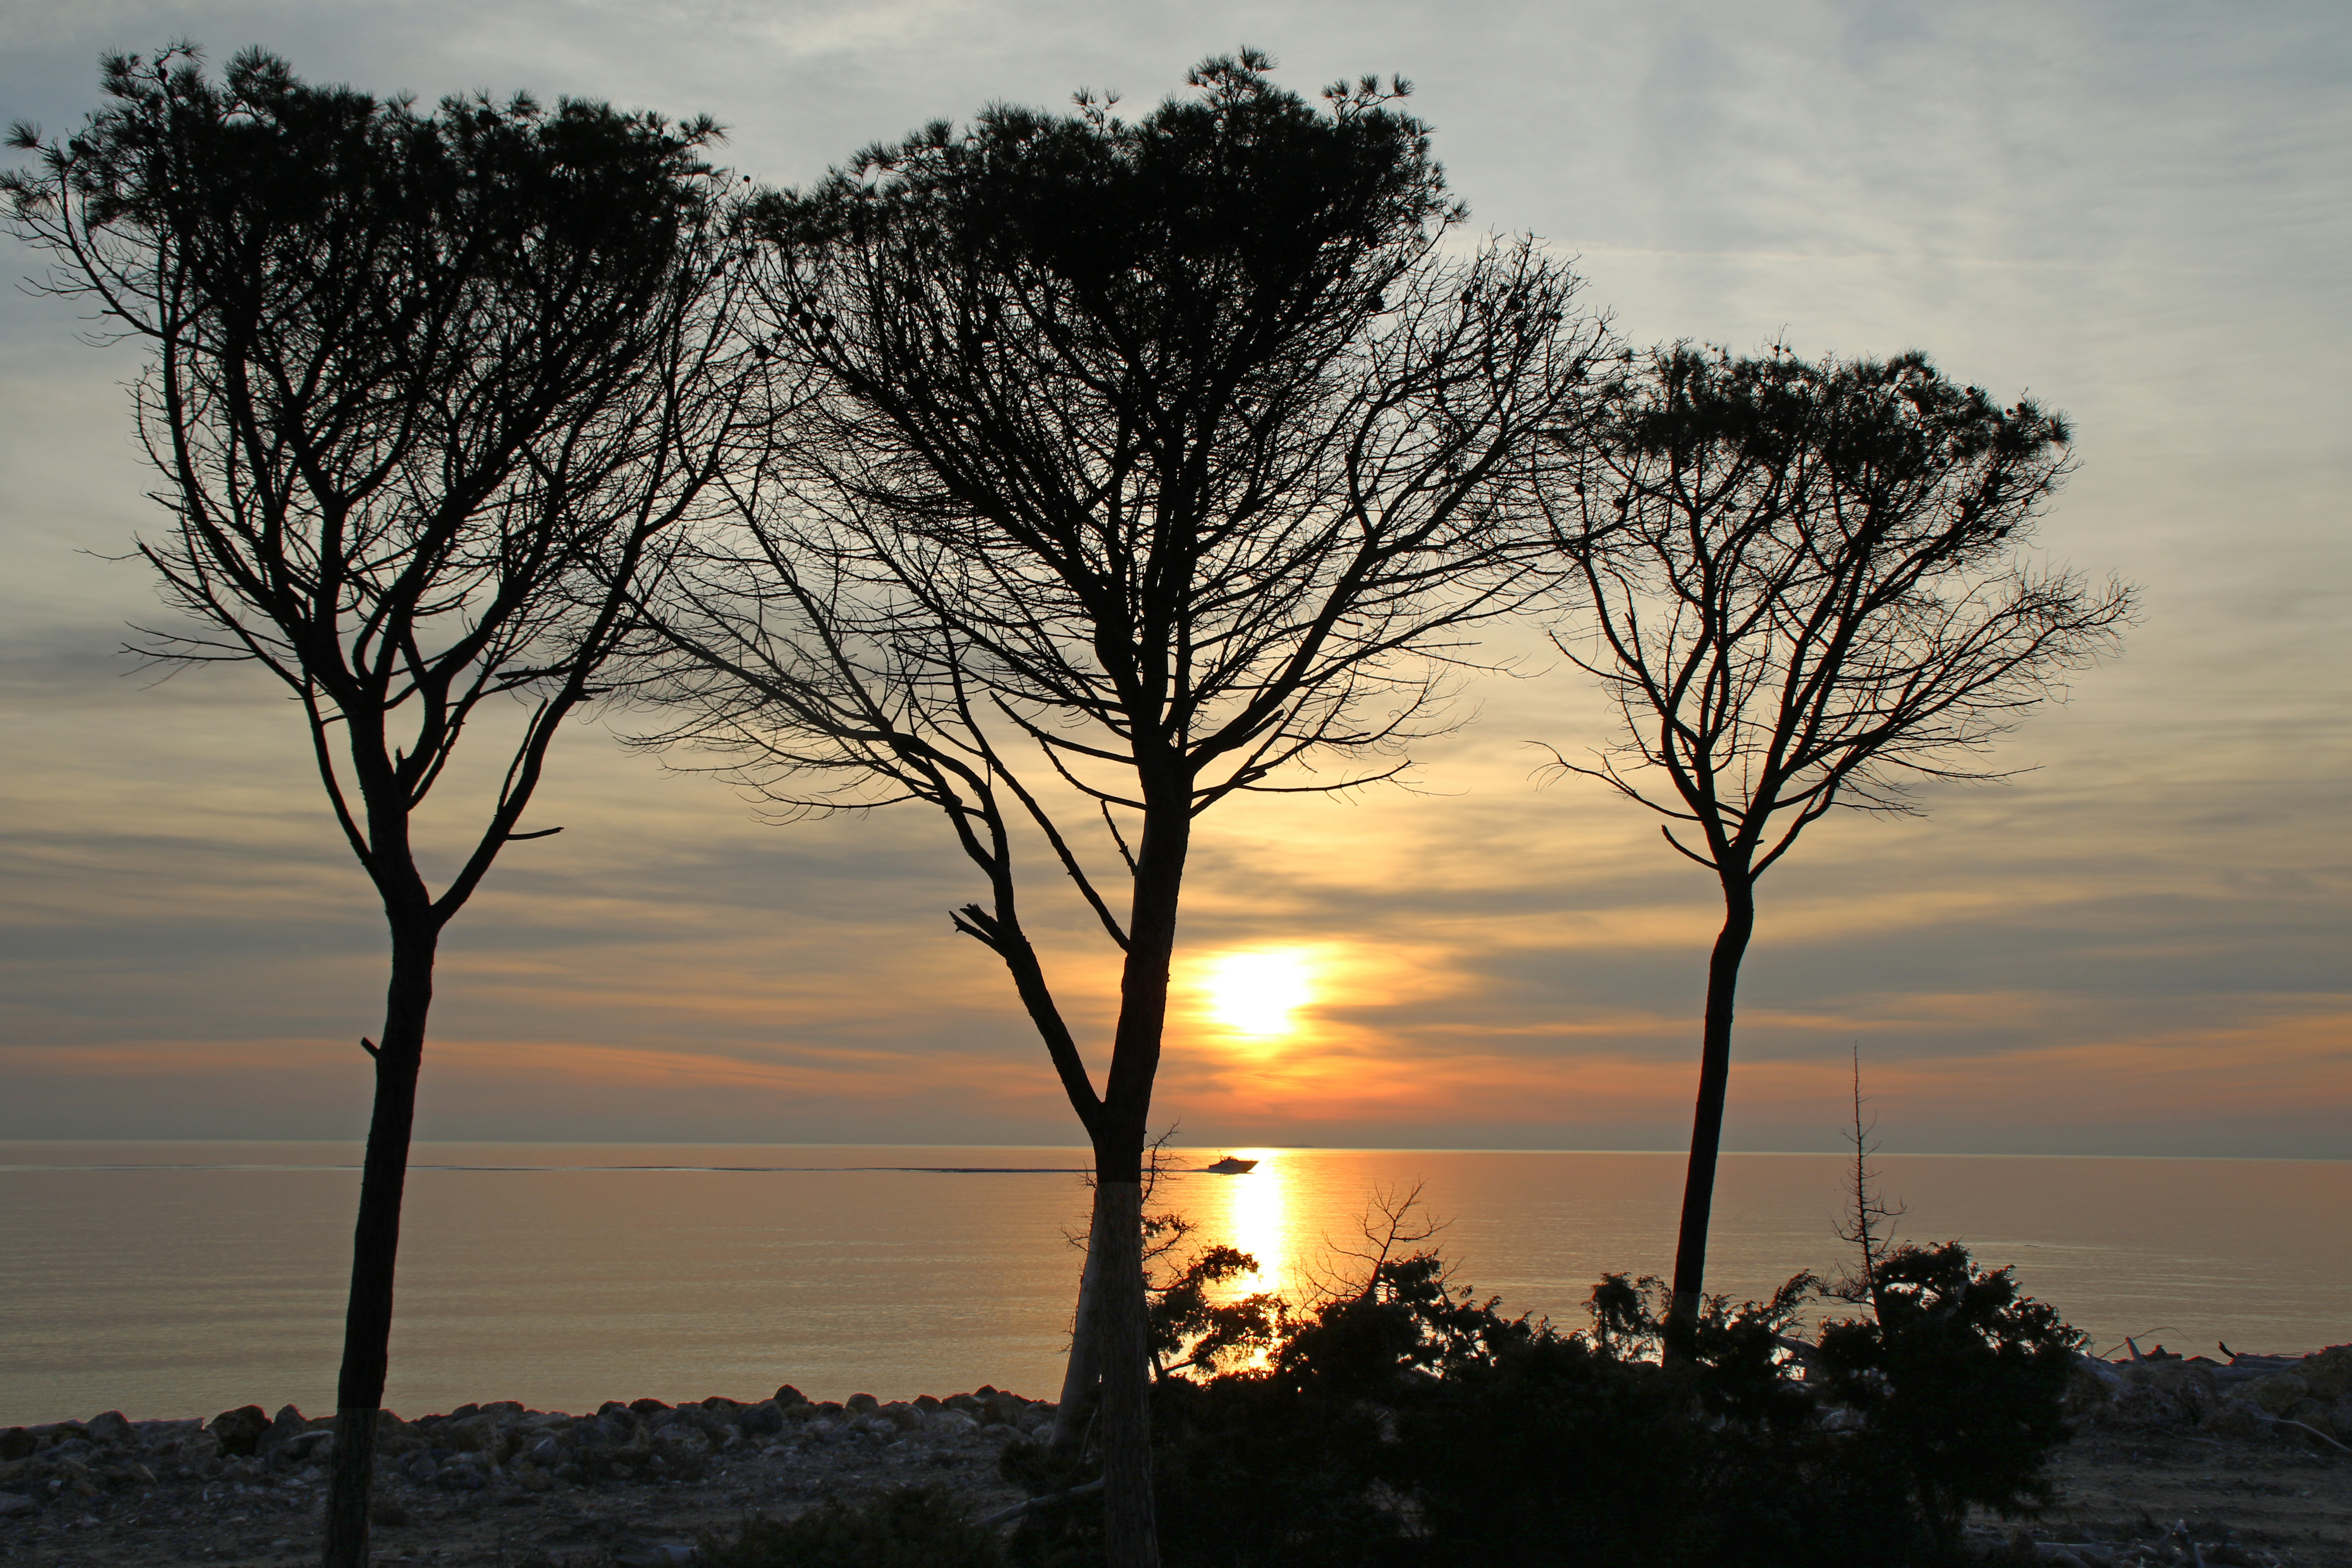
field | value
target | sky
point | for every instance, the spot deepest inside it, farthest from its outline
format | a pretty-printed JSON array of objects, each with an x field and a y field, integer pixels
[{"x": 2135, "y": 211}]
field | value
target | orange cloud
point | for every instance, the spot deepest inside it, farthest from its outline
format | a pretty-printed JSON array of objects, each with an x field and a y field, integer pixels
[{"x": 2162, "y": 1075}]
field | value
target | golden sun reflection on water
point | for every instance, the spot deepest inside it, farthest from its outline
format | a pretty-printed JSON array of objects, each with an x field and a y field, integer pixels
[{"x": 1258, "y": 1217}]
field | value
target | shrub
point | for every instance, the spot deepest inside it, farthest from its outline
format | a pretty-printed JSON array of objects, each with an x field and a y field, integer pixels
[
  {"x": 911, "y": 1527},
  {"x": 1960, "y": 1378},
  {"x": 1412, "y": 1425}
]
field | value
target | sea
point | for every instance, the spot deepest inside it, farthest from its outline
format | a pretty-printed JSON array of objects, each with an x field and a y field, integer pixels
[{"x": 182, "y": 1279}]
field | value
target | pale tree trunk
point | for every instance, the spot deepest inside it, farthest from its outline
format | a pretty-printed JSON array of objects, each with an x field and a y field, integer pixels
[
  {"x": 1079, "y": 1379},
  {"x": 1706, "y": 1122},
  {"x": 375, "y": 1246}
]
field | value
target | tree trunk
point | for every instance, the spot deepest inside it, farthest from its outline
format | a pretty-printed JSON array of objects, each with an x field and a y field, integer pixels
[
  {"x": 1130, "y": 1526},
  {"x": 1079, "y": 1379},
  {"x": 1130, "y": 1518},
  {"x": 1706, "y": 1122},
  {"x": 1110, "y": 1339},
  {"x": 375, "y": 1246}
]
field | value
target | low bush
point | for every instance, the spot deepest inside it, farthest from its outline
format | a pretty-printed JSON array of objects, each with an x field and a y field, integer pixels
[
  {"x": 908, "y": 1528},
  {"x": 1410, "y": 1425},
  {"x": 1959, "y": 1378}
]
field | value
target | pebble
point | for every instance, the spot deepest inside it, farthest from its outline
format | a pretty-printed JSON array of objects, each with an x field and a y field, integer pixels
[{"x": 155, "y": 1481}]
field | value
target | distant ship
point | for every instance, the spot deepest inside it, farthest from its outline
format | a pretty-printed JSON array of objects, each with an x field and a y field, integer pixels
[{"x": 1229, "y": 1166}]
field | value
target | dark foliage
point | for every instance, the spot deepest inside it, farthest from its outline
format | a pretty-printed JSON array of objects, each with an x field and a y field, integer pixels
[
  {"x": 1195, "y": 1325},
  {"x": 1961, "y": 1377},
  {"x": 908, "y": 1528},
  {"x": 1413, "y": 1423}
]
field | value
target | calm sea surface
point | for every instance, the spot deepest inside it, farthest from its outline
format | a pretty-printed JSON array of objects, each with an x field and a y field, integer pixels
[{"x": 180, "y": 1279}]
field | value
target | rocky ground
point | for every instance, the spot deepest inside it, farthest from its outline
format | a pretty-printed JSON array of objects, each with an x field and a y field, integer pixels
[
  {"x": 2185, "y": 1459},
  {"x": 2130, "y": 1497},
  {"x": 490, "y": 1485},
  {"x": 2176, "y": 1461}
]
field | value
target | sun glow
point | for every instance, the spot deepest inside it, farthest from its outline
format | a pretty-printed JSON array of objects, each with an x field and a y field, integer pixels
[{"x": 1255, "y": 993}]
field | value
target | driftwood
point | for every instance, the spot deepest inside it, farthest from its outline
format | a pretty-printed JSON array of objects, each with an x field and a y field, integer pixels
[
  {"x": 2074, "y": 1553},
  {"x": 2228, "y": 1382},
  {"x": 1031, "y": 1505},
  {"x": 2300, "y": 1427},
  {"x": 2241, "y": 1367}
]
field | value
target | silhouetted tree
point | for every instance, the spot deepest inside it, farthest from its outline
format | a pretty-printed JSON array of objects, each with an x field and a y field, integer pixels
[
  {"x": 1806, "y": 592},
  {"x": 1165, "y": 454},
  {"x": 424, "y": 389}
]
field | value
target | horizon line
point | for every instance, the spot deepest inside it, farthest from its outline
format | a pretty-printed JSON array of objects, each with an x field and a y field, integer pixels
[{"x": 1269, "y": 1148}]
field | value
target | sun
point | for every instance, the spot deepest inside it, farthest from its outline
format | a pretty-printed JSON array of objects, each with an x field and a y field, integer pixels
[{"x": 1257, "y": 993}]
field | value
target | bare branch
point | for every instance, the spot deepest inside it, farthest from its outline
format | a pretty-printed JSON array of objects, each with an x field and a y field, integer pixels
[{"x": 1802, "y": 584}]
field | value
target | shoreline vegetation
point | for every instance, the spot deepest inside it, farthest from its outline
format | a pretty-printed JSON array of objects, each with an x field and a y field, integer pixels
[{"x": 2167, "y": 1459}]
